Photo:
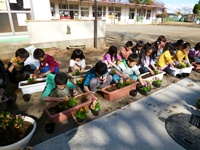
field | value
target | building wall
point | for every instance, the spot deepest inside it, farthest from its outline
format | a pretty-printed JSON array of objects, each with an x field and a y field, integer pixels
[{"x": 72, "y": 32}]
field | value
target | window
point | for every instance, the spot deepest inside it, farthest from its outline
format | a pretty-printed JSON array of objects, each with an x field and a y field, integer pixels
[
  {"x": 20, "y": 5},
  {"x": 85, "y": 12},
  {"x": 101, "y": 11},
  {"x": 131, "y": 13},
  {"x": 115, "y": 11},
  {"x": 148, "y": 14}
]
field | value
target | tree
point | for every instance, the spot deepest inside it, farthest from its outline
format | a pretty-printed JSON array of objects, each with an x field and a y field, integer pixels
[
  {"x": 147, "y": 2},
  {"x": 196, "y": 9},
  {"x": 138, "y": 1}
]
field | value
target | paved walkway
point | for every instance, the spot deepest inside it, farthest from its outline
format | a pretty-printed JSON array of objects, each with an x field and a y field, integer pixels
[{"x": 140, "y": 125}]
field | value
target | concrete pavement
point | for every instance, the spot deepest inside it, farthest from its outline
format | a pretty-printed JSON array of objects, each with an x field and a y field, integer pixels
[{"x": 140, "y": 125}]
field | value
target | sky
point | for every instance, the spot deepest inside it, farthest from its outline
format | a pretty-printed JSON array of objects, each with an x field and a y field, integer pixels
[{"x": 174, "y": 5}]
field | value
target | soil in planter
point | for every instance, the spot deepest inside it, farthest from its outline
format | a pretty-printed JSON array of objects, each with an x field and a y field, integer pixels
[
  {"x": 9, "y": 137},
  {"x": 112, "y": 88},
  {"x": 148, "y": 75},
  {"x": 23, "y": 84},
  {"x": 64, "y": 106}
]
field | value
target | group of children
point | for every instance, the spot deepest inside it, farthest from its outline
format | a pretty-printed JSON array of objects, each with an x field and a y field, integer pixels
[{"x": 129, "y": 63}]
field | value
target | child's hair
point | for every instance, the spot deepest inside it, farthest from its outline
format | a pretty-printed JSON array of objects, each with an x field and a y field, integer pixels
[
  {"x": 22, "y": 53},
  {"x": 197, "y": 46},
  {"x": 179, "y": 44},
  {"x": 38, "y": 53},
  {"x": 100, "y": 68},
  {"x": 112, "y": 51},
  {"x": 77, "y": 53},
  {"x": 161, "y": 38},
  {"x": 129, "y": 44},
  {"x": 170, "y": 47},
  {"x": 140, "y": 43},
  {"x": 133, "y": 58},
  {"x": 186, "y": 45},
  {"x": 61, "y": 78},
  {"x": 146, "y": 48}
]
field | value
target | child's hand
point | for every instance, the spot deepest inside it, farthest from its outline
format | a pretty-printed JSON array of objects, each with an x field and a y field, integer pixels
[
  {"x": 59, "y": 99},
  {"x": 125, "y": 76},
  {"x": 41, "y": 75},
  {"x": 75, "y": 92},
  {"x": 152, "y": 72}
]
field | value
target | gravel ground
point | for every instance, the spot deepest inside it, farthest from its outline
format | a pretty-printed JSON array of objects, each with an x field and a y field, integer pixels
[{"x": 115, "y": 35}]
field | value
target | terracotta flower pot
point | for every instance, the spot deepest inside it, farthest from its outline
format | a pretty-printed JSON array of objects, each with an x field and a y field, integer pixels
[
  {"x": 117, "y": 93},
  {"x": 66, "y": 114}
]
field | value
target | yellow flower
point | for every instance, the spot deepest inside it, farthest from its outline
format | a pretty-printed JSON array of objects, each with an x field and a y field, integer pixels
[
  {"x": 14, "y": 60},
  {"x": 81, "y": 79},
  {"x": 128, "y": 81},
  {"x": 81, "y": 110},
  {"x": 92, "y": 106}
]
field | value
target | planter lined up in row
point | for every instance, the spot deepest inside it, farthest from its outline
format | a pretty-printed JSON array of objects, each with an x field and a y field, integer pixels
[{"x": 65, "y": 110}]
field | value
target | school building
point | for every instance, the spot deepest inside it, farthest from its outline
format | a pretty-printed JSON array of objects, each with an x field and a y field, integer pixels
[{"x": 15, "y": 13}]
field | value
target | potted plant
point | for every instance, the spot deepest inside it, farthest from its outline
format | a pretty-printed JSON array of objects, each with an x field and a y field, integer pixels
[
  {"x": 144, "y": 89},
  {"x": 181, "y": 68},
  {"x": 32, "y": 85},
  {"x": 157, "y": 82},
  {"x": 118, "y": 90},
  {"x": 15, "y": 130},
  {"x": 80, "y": 114},
  {"x": 78, "y": 75},
  {"x": 148, "y": 77},
  {"x": 95, "y": 107},
  {"x": 198, "y": 103},
  {"x": 79, "y": 82},
  {"x": 62, "y": 111},
  {"x": 122, "y": 83}
]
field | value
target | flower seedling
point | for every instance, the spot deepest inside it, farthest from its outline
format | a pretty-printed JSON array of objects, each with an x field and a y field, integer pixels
[
  {"x": 81, "y": 113},
  {"x": 182, "y": 65},
  {"x": 71, "y": 102},
  {"x": 122, "y": 83},
  {"x": 16, "y": 60},
  {"x": 95, "y": 105},
  {"x": 157, "y": 80},
  {"x": 10, "y": 122},
  {"x": 156, "y": 71},
  {"x": 146, "y": 87},
  {"x": 80, "y": 81},
  {"x": 31, "y": 80}
]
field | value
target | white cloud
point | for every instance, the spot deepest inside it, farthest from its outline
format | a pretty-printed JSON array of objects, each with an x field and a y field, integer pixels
[{"x": 171, "y": 8}]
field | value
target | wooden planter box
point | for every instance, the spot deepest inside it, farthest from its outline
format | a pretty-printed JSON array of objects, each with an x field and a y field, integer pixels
[
  {"x": 66, "y": 114},
  {"x": 118, "y": 93},
  {"x": 74, "y": 79},
  {"x": 32, "y": 88},
  {"x": 152, "y": 77},
  {"x": 176, "y": 71}
]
